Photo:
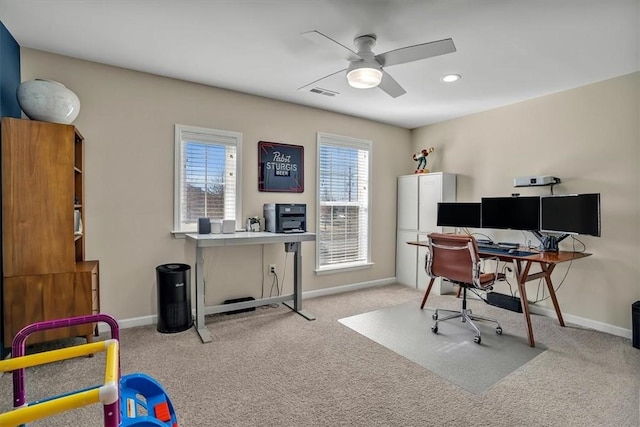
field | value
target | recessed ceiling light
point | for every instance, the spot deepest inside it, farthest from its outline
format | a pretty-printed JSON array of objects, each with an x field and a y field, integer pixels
[{"x": 450, "y": 78}]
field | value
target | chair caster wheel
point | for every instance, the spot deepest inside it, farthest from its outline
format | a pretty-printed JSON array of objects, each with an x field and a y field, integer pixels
[
  {"x": 434, "y": 316},
  {"x": 434, "y": 329},
  {"x": 499, "y": 330},
  {"x": 477, "y": 339}
]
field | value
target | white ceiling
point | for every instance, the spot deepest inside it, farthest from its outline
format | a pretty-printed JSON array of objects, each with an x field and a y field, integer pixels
[{"x": 507, "y": 50}]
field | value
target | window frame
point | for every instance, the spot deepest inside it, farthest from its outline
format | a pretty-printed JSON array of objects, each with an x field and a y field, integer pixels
[
  {"x": 323, "y": 139},
  {"x": 212, "y": 134}
]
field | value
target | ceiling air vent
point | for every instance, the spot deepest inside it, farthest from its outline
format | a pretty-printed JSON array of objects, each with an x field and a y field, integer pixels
[{"x": 321, "y": 91}]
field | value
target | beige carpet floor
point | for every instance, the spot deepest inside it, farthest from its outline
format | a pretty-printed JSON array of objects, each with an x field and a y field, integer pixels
[{"x": 272, "y": 367}]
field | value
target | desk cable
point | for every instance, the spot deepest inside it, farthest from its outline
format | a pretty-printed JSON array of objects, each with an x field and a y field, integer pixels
[
  {"x": 506, "y": 268},
  {"x": 464, "y": 230},
  {"x": 275, "y": 282},
  {"x": 584, "y": 248},
  {"x": 476, "y": 291},
  {"x": 480, "y": 234},
  {"x": 284, "y": 272},
  {"x": 528, "y": 242},
  {"x": 263, "y": 277}
]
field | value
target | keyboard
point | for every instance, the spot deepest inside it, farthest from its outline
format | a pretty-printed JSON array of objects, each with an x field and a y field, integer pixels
[
  {"x": 486, "y": 245},
  {"x": 493, "y": 249}
]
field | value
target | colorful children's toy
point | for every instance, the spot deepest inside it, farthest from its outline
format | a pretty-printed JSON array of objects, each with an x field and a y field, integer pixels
[
  {"x": 135, "y": 400},
  {"x": 421, "y": 158}
]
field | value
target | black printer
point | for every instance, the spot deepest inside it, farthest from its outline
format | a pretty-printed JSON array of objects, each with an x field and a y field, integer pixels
[{"x": 285, "y": 218}]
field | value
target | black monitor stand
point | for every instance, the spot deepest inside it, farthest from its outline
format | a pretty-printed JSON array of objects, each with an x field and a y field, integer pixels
[{"x": 549, "y": 243}]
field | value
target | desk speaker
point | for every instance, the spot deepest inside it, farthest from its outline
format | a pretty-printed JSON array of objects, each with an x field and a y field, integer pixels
[
  {"x": 228, "y": 226},
  {"x": 204, "y": 226}
]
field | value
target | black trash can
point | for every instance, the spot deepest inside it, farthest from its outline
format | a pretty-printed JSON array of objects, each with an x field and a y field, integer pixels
[
  {"x": 635, "y": 323},
  {"x": 174, "y": 297}
]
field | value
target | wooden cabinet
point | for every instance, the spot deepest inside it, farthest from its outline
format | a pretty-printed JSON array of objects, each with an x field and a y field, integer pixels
[
  {"x": 87, "y": 278},
  {"x": 45, "y": 275},
  {"x": 37, "y": 197},
  {"x": 30, "y": 299}
]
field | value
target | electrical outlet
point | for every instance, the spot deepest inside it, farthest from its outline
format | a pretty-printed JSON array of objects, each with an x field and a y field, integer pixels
[
  {"x": 509, "y": 273},
  {"x": 272, "y": 269}
]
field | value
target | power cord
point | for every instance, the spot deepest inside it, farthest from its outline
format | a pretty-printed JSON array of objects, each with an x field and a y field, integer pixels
[
  {"x": 566, "y": 273},
  {"x": 275, "y": 282},
  {"x": 284, "y": 272},
  {"x": 574, "y": 239},
  {"x": 483, "y": 235},
  {"x": 475, "y": 291},
  {"x": 506, "y": 268},
  {"x": 527, "y": 242},
  {"x": 464, "y": 230}
]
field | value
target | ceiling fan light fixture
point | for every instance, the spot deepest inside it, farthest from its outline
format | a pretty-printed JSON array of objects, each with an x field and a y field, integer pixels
[
  {"x": 450, "y": 78},
  {"x": 364, "y": 77}
]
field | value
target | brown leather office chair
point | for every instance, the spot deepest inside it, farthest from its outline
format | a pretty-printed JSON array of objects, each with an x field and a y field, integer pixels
[{"x": 455, "y": 258}]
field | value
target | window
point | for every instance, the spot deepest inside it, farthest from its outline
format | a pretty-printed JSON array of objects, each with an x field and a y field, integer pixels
[
  {"x": 207, "y": 176},
  {"x": 344, "y": 166}
]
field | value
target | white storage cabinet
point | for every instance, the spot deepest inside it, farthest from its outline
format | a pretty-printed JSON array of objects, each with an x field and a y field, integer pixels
[{"x": 418, "y": 197}]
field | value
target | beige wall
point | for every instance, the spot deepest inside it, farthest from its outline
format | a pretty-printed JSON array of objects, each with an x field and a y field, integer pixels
[
  {"x": 590, "y": 138},
  {"x": 128, "y": 121}
]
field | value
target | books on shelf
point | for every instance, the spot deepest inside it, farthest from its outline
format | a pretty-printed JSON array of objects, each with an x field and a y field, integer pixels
[{"x": 77, "y": 223}]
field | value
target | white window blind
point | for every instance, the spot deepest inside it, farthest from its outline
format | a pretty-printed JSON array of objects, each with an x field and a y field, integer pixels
[
  {"x": 343, "y": 201},
  {"x": 207, "y": 176}
]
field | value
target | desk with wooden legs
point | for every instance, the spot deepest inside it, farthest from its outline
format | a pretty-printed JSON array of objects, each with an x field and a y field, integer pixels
[
  {"x": 522, "y": 269},
  {"x": 292, "y": 243}
]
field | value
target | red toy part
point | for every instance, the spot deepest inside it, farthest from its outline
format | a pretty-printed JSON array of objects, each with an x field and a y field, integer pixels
[{"x": 161, "y": 411}]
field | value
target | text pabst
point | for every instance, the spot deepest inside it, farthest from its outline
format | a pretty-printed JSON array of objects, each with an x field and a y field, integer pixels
[{"x": 281, "y": 164}]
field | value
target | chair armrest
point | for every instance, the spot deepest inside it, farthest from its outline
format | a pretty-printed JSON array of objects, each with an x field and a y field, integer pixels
[
  {"x": 427, "y": 262},
  {"x": 497, "y": 275}
]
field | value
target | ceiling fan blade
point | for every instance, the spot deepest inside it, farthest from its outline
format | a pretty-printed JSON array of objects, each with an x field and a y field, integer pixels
[
  {"x": 414, "y": 53},
  {"x": 322, "y": 78},
  {"x": 330, "y": 44},
  {"x": 389, "y": 85}
]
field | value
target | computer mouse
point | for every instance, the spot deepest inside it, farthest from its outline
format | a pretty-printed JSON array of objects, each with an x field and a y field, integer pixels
[{"x": 512, "y": 251}]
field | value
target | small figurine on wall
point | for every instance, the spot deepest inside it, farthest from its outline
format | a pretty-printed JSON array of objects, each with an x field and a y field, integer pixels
[{"x": 421, "y": 158}]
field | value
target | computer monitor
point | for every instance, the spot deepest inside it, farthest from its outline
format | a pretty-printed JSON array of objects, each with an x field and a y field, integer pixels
[
  {"x": 571, "y": 214},
  {"x": 516, "y": 213},
  {"x": 459, "y": 214}
]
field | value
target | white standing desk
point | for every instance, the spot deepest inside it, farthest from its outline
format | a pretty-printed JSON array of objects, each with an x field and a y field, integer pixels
[{"x": 292, "y": 243}]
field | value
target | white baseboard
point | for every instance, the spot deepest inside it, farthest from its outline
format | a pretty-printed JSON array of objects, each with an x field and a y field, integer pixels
[
  {"x": 153, "y": 319},
  {"x": 576, "y": 320},
  {"x": 581, "y": 321},
  {"x": 543, "y": 311},
  {"x": 130, "y": 323},
  {"x": 347, "y": 288}
]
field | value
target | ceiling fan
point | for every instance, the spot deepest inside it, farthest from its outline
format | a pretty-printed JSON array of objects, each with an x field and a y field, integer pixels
[{"x": 365, "y": 68}]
